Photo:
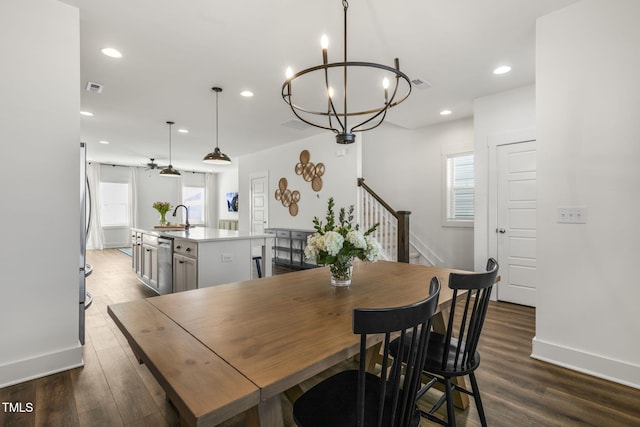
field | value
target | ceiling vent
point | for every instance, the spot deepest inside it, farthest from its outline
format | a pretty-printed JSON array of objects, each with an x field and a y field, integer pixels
[
  {"x": 421, "y": 83},
  {"x": 296, "y": 124},
  {"x": 94, "y": 87}
]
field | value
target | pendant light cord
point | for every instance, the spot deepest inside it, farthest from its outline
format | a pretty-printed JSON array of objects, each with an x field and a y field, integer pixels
[
  {"x": 217, "y": 157},
  {"x": 345, "y": 5},
  {"x": 170, "y": 124},
  {"x": 217, "y": 112}
]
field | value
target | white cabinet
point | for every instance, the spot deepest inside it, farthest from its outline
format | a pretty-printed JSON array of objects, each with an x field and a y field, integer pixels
[
  {"x": 149, "y": 268},
  {"x": 185, "y": 247},
  {"x": 136, "y": 252},
  {"x": 185, "y": 265},
  {"x": 201, "y": 257},
  {"x": 185, "y": 273}
]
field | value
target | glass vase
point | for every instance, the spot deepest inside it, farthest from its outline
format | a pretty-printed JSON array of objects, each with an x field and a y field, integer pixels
[
  {"x": 341, "y": 274},
  {"x": 163, "y": 218}
]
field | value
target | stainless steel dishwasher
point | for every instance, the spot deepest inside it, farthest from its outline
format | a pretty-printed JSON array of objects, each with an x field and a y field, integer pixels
[{"x": 165, "y": 265}]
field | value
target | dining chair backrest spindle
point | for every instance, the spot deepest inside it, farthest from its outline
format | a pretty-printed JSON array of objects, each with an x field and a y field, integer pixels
[{"x": 361, "y": 398}]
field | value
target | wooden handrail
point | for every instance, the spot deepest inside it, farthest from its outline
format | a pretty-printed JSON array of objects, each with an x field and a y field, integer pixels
[
  {"x": 403, "y": 223},
  {"x": 378, "y": 198}
]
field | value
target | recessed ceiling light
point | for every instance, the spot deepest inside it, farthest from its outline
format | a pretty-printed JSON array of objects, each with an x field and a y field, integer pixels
[
  {"x": 111, "y": 52},
  {"x": 183, "y": 130},
  {"x": 86, "y": 113},
  {"x": 503, "y": 69},
  {"x": 104, "y": 142},
  {"x": 445, "y": 112},
  {"x": 246, "y": 93}
]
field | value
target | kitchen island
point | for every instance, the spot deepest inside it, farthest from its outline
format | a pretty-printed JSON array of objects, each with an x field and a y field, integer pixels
[{"x": 201, "y": 256}]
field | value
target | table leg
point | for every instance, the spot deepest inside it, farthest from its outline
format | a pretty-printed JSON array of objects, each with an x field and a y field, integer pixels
[
  {"x": 267, "y": 414},
  {"x": 373, "y": 357},
  {"x": 438, "y": 322},
  {"x": 294, "y": 393}
]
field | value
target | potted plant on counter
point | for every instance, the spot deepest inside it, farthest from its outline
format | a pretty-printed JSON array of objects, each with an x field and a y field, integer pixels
[{"x": 162, "y": 208}]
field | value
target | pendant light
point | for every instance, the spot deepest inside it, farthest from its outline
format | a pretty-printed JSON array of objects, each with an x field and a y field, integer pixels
[
  {"x": 169, "y": 170},
  {"x": 217, "y": 157}
]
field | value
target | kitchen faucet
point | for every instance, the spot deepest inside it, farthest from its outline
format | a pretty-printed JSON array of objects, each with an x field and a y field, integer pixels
[{"x": 186, "y": 209}]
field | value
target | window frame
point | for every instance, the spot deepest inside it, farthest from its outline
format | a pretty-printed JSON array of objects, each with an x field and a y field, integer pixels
[
  {"x": 127, "y": 206},
  {"x": 447, "y": 191},
  {"x": 193, "y": 220}
]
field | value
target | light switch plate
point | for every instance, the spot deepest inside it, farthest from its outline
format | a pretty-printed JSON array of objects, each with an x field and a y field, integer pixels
[{"x": 572, "y": 215}]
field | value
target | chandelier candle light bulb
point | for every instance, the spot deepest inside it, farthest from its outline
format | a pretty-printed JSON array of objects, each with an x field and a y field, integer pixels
[
  {"x": 324, "y": 44},
  {"x": 385, "y": 86}
]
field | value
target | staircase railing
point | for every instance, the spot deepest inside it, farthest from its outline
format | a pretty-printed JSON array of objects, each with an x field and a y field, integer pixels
[{"x": 393, "y": 231}]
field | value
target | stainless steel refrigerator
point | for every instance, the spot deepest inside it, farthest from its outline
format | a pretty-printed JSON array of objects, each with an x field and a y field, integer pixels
[{"x": 84, "y": 269}]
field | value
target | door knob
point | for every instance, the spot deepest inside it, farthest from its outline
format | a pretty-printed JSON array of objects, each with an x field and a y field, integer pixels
[{"x": 501, "y": 230}]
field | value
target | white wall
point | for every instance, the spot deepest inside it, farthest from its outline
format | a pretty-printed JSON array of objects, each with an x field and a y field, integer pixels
[
  {"x": 507, "y": 113},
  {"x": 153, "y": 188},
  {"x": 404, "y": 167},
  {"x": 41, "y": 216},
  {"x": 339, "y": 180},
  {"x": 588, "y": 89},
  {"x": 406, "y": 172}
]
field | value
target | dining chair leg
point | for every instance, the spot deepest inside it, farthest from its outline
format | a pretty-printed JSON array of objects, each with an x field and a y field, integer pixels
[
  {"x": 476, "y": 396},
  {"x": 451, "y": 411}
]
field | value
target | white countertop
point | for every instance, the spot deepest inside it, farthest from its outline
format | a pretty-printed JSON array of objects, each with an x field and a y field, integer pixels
[{"x": 206, "y": 234}]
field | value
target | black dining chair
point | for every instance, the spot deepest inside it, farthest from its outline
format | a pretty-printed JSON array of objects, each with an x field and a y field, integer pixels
[
  {"x": 454, "y": 353},
  {"x": 359, "y": 398}
]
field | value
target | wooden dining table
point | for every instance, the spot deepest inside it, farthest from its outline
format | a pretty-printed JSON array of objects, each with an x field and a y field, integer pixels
[{"x": 270, "y": 334}]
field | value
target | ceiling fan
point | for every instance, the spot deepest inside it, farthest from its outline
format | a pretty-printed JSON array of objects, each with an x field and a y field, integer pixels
[{"x": 152, "y": 165}]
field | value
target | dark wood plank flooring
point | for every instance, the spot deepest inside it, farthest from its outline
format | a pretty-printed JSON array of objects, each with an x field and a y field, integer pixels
[{"x": 112, "y": 389}]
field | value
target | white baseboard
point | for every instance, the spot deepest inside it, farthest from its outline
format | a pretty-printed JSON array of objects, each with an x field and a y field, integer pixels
[
  {"x": 40, "y": 366},
  {"x": 424, "y": 251},
  {"x": 588, "y": 363},
  {"x": 117, "y": 245}
]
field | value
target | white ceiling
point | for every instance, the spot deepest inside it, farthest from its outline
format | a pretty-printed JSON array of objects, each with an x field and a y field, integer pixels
[{"x": 175, "y": 51}]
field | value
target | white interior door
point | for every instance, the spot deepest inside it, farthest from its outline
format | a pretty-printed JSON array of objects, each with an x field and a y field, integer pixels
[
  {"x": 516, "y": 222},
  {"x": 259, "y": 203}
]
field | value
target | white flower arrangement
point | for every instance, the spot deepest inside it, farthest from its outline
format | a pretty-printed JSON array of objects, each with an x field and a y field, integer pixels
[{"x": 337, "y": 244}]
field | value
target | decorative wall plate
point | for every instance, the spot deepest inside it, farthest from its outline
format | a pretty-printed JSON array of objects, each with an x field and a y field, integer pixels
[
  {"x": 288, "y": 198},
  {"x": 309, "y": 171}
]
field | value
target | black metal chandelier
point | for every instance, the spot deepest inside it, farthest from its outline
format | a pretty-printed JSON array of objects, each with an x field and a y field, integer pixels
[{"x": 334, "y": 119}]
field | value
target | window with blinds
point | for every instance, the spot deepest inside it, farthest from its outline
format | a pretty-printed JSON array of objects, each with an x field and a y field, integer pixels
[
  {"x": 460, "y": 188},
  {"x": 114, "y": 204}
]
